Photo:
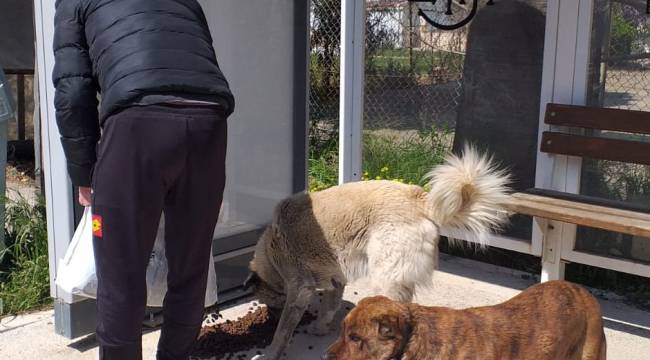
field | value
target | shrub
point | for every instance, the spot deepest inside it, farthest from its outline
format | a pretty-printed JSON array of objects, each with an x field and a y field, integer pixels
[
  {"x": 24, "y": 273},
  {"x": 623, "y": 36},
  {"x": 404, "y": 156}
]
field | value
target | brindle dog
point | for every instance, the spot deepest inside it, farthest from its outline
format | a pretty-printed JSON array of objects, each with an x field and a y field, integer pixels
[{"x": 551, "y": 321}]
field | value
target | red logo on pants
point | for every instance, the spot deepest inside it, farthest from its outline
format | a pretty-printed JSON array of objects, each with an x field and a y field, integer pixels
[{"x": 97, "y": 226}]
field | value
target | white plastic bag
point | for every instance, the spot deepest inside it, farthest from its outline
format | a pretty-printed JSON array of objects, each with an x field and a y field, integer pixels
[
  {"x": 76, "y": 272},
  {"x": 157, "y": 274}
]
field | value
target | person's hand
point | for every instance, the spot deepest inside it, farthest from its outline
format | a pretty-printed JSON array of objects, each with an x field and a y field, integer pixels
[{"x": 84, "y": 195}]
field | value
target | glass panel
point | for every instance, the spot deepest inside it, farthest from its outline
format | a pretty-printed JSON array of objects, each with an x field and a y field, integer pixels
[
  {"x": 619, "y": 78},
  {"x": 428, "y": 91},
  {"x": 260, "y": 147},
  {"x": 230, "y": 272}
]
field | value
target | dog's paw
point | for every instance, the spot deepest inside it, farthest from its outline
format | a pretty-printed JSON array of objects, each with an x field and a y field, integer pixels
[{"x": 318, "y": 329}]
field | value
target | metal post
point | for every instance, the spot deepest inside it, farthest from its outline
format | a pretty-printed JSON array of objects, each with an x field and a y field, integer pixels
[
  {"x": 20, "y": 96},
  {"x": 301, "y": 94},
  {"x": 40, "y": 181},
  {"x": 72, "y": 316},
  {"x": 353, "y": 26},
  {"x": 566, "y": 63},
  {"x": 58, "y": 189}
]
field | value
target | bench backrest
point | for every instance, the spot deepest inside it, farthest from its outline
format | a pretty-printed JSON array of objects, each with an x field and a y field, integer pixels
[{"x": 602, "y": 148}]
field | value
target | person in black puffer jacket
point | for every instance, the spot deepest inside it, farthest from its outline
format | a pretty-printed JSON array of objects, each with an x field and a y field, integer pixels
[{"x": 141, "y": 105}]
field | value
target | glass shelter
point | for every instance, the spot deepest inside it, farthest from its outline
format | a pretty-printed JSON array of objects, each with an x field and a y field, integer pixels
[{"x": 488, "y": 83}]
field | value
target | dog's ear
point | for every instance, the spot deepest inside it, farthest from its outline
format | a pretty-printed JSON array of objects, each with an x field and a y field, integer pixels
[
  {"x": 386, "y": 330},
  {"x": 395, "y": 323},
  {"x": 252, "y": 280}
]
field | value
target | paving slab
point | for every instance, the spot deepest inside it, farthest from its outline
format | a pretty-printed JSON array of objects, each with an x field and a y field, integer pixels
[{"x": 459, "y": 283}]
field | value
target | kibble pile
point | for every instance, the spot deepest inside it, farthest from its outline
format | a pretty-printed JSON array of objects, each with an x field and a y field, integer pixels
[{"x": 253, "y": 331}]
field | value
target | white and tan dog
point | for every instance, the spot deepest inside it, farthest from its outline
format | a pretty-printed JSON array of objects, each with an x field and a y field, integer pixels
[{"x": 385, "y": 231}]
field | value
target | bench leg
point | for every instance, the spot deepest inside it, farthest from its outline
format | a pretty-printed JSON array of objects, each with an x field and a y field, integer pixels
[
  {"x": 552, "y": 271},
  {"x": 552, "y": 264}
]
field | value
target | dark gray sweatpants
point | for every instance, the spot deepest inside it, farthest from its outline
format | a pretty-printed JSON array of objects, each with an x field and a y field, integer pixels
[{"x": 151, "y": 159}]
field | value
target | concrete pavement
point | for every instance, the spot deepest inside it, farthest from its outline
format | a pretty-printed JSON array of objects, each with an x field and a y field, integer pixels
[{"x": 459, "y": 283}]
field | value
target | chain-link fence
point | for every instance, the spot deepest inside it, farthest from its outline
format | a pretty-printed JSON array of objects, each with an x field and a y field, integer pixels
[
  {"x": 324, "y": 71},
  {"x": 413, "y": 71},
  {"x": 626, "y": 77},
  {"x": 412, "y": 84},
  {"x": 407, "y": 62},
  {"x": 620, "y": 78},
  {"x": 325, "y": 59}
]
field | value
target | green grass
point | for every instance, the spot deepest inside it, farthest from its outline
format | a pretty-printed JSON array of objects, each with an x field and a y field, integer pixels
[
  {"x": 403, "y": 157},
  {"x": 392, "y": 61},
  {"x": 323, "y": 172},
  {"x": 389, "y": 155},
  {"x": 24, "y": 273}
]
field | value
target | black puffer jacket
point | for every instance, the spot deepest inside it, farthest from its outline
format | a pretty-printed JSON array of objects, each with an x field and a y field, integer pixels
[{"x": 126, "y": 49}]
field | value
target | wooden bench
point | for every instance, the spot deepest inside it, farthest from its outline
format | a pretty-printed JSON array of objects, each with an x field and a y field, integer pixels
[{"x": 583, "y": 210}]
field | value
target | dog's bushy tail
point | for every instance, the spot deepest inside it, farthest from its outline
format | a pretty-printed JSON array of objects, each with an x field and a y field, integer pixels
[{"x": 468, "y": 194}]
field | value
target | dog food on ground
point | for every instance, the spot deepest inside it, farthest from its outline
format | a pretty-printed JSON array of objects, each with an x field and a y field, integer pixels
[{"x": 253, "y": 331}]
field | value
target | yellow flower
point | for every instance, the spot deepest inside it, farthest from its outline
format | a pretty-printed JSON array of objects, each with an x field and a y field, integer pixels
[
  {"x": 384, "y": 169},
  {"x": 378, "y": 178}
]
